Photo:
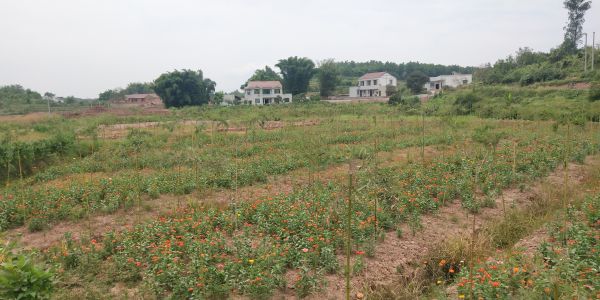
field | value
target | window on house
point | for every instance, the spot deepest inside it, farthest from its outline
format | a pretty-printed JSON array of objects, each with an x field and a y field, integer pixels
[
  {"x": 286, "y": 100},
  {"x": 374, "y": 82},
  {"x": 277, "y": 91},
  {"x": 368, "y": 82},
  {"x": 256, "y": 91},
  {"x": 391, "y": 82},
  {"x": 248, "y": 92},
  {"x": 465, "y": 81},
  {"x": 266, "y": 91},
  {"x": 257, "y": 101}
]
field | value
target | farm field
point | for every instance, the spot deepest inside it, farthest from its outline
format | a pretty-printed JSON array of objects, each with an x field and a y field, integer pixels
[{"x": 284, "y": 202}]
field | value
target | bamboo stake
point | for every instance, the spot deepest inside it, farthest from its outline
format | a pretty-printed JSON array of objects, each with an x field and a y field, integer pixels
[
  {"x": 20, "y": 166},
  {"x": 471, "y": 261},
  {"x": 349, "y": 230}
]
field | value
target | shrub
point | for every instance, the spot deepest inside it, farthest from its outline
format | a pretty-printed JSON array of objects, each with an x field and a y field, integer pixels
[
  {"x": 20, "y": 278},
  {"x": 594, "y": 94}
]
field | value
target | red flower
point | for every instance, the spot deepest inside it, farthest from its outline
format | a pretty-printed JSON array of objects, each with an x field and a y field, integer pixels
[
  {"x": 305, "y": 250},
  {"x": 495, "y": 284},
  {"x": 360, "y": 252}
]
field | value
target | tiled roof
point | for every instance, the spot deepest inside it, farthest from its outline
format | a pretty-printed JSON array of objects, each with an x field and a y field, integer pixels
[
  {"x": 264, "y": 85},
  {"x": 372, "y": 75}
]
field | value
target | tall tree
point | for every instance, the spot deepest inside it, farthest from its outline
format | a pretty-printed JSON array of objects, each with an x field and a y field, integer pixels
[
  {"x": 574, "y": 28},
  {"x": 328, "y": 77},
  {"x": 415, "y": 81},
  {"x": 267, "y": 74},
  {"x": 296, "y": 72},
  {"x": 183, "y": 88}
]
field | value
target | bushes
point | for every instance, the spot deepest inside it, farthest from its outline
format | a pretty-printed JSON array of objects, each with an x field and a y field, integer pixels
[
  {"x": 20, "y": 278},
  {"x": 594, "y": 93}
]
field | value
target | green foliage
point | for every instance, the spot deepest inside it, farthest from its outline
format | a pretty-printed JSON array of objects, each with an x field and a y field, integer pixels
[
  {"x": 415, "y": 81},
  {"x": 20, "y": 278},
  {"x": 354, "y": 69},
  {"x": 566, "y": 266},
  {"x": 183, "y": 88},
  {"x": 16, "y": 93},
  {"x": 132, "y": 88},
  {"x": 328, "y": 77},
  {"x": 594, "y": 93},
  {"x": 296, "y": 72},
  {"x": 218, "y": 98},
  {"x": 405, "y": 101},
  {"x": 464, "y": 102},
  {"x": 574, "y": 28},
  {"x": 267, "y": 74}
]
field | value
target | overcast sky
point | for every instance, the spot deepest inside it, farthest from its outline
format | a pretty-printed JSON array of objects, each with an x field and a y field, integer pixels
[{"x": 83, "y": 47}]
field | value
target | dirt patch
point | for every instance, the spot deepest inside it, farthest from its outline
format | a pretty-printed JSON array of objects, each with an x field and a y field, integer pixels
[{"x": 530, "y": 244}]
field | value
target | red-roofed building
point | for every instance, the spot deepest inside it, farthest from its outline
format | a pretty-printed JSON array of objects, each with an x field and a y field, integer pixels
[
  {"x": 373, "y": 85},
  {"x": 265, "y": 92}
]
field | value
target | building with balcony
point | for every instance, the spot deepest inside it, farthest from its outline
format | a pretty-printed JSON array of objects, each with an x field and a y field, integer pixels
[
  {"x": 373, "y": 85},
  {"x": 265, "y": 93}
]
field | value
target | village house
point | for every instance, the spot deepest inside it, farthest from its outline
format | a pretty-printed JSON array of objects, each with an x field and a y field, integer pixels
[
  {"x": 373, "y": 85},
  {"x": 139, "y": 100},
  {"x": 265, "y": 92},
  {"x": 455, "y": 80}
]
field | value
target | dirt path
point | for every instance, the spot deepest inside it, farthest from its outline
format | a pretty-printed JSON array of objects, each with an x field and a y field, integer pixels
[
  {"x": 150, "y": 209},
  {"x": 451, "y": 221}
]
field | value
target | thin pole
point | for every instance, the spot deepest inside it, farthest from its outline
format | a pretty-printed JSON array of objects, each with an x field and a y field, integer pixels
[
  {"x": 585, "y": 53},
  {"x": 593, "y": 43},
  {"x": 349, "y": 231}
]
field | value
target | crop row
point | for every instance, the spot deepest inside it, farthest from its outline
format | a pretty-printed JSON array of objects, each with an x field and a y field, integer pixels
[{"x": 249, "y": 247}]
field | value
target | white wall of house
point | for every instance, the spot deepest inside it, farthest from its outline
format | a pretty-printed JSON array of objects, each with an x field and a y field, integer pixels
[
  {"x": 266, "y": 96},
  {"x": 375, "y": 87},
  {"x": 453, "y": 81}
]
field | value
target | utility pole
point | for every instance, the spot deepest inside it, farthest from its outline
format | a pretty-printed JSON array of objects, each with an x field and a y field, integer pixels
[
  {"x": 585, "y": 54},
  {"x": 48, "y": 98},
  {"x": 593, "y": 43}
]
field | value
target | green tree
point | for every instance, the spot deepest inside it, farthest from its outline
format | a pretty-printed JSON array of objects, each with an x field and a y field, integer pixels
[
  {"x": 218, "y": 98},
  {"x": 416, "y": 80},
  {"x": 138, "y": 88},
  {"x": 328, "y": 77},
  {"x": 183, "y": 88},
  {"x": 108, "y": 95},
  {"x": 266, "y": 74},
  {"x": 296, "y": 72},
  {"x": 574, "y": 28}
]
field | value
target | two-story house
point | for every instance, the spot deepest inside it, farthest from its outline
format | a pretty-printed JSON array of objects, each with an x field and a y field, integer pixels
[
  {"x": 373, "y": 85},
  {"x": 265, "y": 92}
]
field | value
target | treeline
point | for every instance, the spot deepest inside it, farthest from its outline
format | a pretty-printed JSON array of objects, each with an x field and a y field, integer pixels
[
  {"x": 17, "y": 94},
  {"x": 527, "y": 67},
  {"x": 399, "y": 70},
  {"x": 132, "y": 88}
]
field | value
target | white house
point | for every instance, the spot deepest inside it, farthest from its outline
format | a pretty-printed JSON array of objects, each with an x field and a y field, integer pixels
[
  {"x": 265, "y": 92},
  {"x": 455, "y": 80},
  {"x": 373, "y": 85}
]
